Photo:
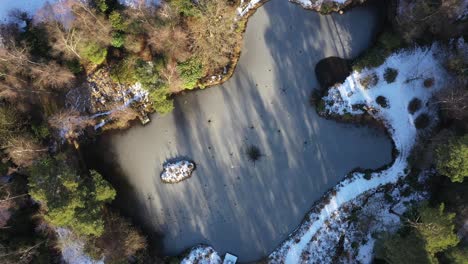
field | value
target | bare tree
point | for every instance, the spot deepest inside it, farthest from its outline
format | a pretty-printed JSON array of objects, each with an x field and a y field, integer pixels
[
  {"x": 23, "y": 150},
  {"x": 453, "y": 100}
]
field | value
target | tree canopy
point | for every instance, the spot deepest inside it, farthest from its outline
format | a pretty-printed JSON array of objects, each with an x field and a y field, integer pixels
[
  {"x": 70, "y": 199},
  {"x": 452, "y": 158}
]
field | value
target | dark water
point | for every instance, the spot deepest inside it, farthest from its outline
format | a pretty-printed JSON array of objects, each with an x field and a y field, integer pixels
[{"x": 230, "y": 203}]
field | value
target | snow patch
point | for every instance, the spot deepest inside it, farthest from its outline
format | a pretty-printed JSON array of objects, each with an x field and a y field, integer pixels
[
  {"x": 202, "y": 255},
  {"x": 73, "y": 248}
]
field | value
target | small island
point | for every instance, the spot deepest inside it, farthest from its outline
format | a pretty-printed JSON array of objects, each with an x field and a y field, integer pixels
[{"x": 175, "y": 172}]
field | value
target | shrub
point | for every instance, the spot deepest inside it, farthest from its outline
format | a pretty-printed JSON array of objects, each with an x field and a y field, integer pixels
[
  {"x": 387, "y": 43},
  {"x": 315, "y": 97},
  {"x": 371, "y": 59},
  {"x": 118, "y": 39},
  {"x": 414, "y": 105},
  {"x": 390, "y": 75},
  {"x": 429, "y": 82},
  {"x": 119, "y": 241},
  {"x": 253, "y": 153},
  {"x": 382, "y": 101},
  {"x": 452, "y": 158},
  {"x": 190, "y": 71},
  {"x": 422, "y": 121},
  {"x": 327, "y": 8},
  {"x": 185, "y": 7},
  {"x": 390, "y": 41},
  {"x": 74, "y": 66},
  {"x": 124, "y": 71},
  {"x": 117, "y": 21},
  {"x": 40, "y": 131},
  {"x": 320, "y": 106},
  {"x": 94, "y": 53},
  {"x": 368, "y": 175},
  {"x": 369, "y": 80}
]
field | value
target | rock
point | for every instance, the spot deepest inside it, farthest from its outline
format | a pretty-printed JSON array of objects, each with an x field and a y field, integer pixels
[{"x": 175, "y": 172}]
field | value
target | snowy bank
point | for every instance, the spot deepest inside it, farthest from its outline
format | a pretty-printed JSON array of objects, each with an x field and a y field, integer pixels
[
  {"x": 419, "y": 75},
  {"x": 202, "y": 255},
  {"x": 177, "y": 171},
  {"x": 325, "y": 6}
]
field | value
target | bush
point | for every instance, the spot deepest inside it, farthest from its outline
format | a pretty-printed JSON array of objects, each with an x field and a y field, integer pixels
[
  {"x": 382, "y": 101},
  {"x": 390, "y": 41},
  {"x": 94, "y": 53},
  {"x": 371, "y": 59},
  {"x": 429, "y": 82},
  {"x": 74, "y": 66},
  {"x": 414, "y": 105},
  {"x": 185, "y": 7},
  {"x": 118, "y": 39},
  {"x": 369, "y": 80},
  {"x": 390, "y": 75},
  {"x": 452, "y": 158},
  {"x": 119, "y": 241},
  {"x": 124, "y": 72},
  {"x": 315, "y": 97},
  {"x": 117, "y": 21},
  {"x": 190, "y": 71},
  {"x": 40, "y": 131},
  {"x": 387, "y": 43},
  {"x": 320, "y": 106},
  {"x": 253, "y": 153},
  {"x": 422, "y": 121}
]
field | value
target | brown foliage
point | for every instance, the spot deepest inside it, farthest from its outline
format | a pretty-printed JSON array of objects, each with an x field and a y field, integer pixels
[
  {"x": 453, "y": 101},
  {"x": 423, "y": 18},
  {"x": 119, "y": 241},
  {"x": 214, "y": 33},
  {"x": 23, "y": 150},
  {"x": 87, "y": 27},
  {"x": 170, "y": 40},
  {"x": 69, "y": 124}
]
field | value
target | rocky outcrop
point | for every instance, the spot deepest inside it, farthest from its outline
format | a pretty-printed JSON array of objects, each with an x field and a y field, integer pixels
[{"x": 177, "y": 171}]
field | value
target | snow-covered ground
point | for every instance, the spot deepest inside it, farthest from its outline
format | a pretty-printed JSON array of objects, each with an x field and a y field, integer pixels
[
  {"x": 202, "y": 255},
  {"x": 177, "y": 171},
  {"x": 73, "y": 248},
  {"x": 414, "y": 67},
  {"x": 247, "y": 5}
]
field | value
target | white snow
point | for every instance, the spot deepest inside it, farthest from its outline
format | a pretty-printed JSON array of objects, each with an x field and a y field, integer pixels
[
  {"x": 414, "y": 66},
  {"x": 177, "y": 171},
  {"x": 202, "y": 255},
  {"x": 246, "y": 6},
  {"x": 72, "y": 248},
  {"x": 316, "y": 4}
]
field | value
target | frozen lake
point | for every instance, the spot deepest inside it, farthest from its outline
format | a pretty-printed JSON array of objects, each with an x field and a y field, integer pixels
[{"x": 229, "y": 203}]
